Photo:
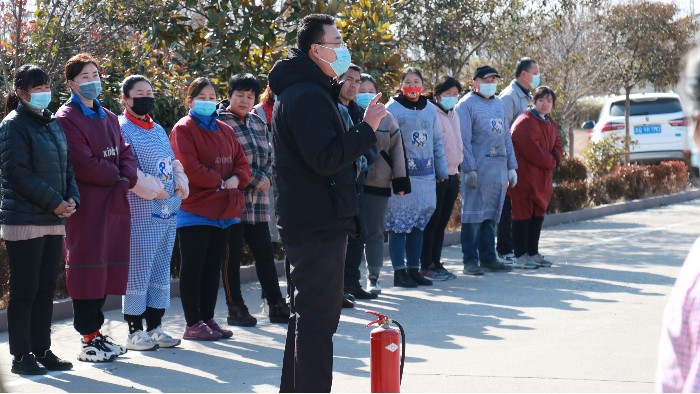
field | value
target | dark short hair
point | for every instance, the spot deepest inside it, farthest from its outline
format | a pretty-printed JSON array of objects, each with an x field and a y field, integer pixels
[
  {"x": 311, "y": 30},
  {"x": 411, "y": 70},
  {"x": 544, "y": 91},
  {"x": 367, "y": 77},
  {"x": 524, "y": 64},
  {"x": 243, "y": 82},
  {"x": 446, "y": 83},
  {"x": 129, "y": 82},
  {"x": 354, "y": 67},
  {"x": 76, "y": 64},
  {"x": 26, "y": 77},
  {"x": 198, "y": 85}
]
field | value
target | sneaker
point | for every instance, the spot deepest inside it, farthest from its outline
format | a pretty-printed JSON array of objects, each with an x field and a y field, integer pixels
[
  {"x": 96, "y": 351},
  {"x": 238, "y": 315},
  {"x": 27, "y": 365},
  {"x": 441, "y": 269},
  {"x": 139, "y": 340},
  {"x": 540, "y": 260},
  {"x": 401, "y": 279},
  {"x": 524, "y": 262},
  {"x": 225, "y": 334},
  {"x": 53, "y": 363},
  {"x": 472, "y": 269},
  {"x": 200, "y": 332},
  {"x": 279, "y": 312},
  {"x": 507, "y": 259},
  {"x": 162, "y": 338},
  {"x": 116, "y": 349},
  {"x": 373, "y": 285},
  {"x": 418, "y": 278},
  {"x": 360, "y": 294},
  {"x": 433, "y": 274},
  {"x": 496, "y": 267}
]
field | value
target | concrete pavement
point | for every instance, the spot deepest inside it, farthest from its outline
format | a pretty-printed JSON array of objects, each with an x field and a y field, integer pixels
[{"x": 589, "y": 324}]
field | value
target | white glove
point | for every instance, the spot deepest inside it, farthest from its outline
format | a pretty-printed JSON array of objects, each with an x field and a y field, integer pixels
[
  {"x": 471, "y": 179},
  {"x": 182, "y": 187},
  {"x": 512, "y": 178},
  {"x": 147, "y": 186}
]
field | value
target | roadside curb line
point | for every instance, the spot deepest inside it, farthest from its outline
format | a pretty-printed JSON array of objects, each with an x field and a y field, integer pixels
[{"x": 63, "y": 309}]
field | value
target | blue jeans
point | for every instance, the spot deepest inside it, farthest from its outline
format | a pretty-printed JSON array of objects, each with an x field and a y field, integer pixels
[
  {"x": 478, "y": 242},
  {"x": 405, "y": 249}
]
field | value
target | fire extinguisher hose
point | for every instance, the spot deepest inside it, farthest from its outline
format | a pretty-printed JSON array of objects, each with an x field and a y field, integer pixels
[{"x": 403, "y": 347}]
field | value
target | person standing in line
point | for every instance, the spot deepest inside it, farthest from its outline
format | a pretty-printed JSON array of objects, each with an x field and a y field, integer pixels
[
  {"x": 538, "y": 151},
  {"x": 97, "y": 236},
  {"x": 488, "y": 168},
  {"x": 315, "y": 181},
  {"x": 408, "y": 215},
  {"x": 516, "y": 98},
  {"x": 154, "y": 202},
  {"x": 251, "y": 133},
  {"x": 218, "y": 171},
  {"x": 39, "y": 194},
  {"x": 352, "y": 114},
  {"x": 444, "y": 97},
  {"x": 389, "y": 170}
]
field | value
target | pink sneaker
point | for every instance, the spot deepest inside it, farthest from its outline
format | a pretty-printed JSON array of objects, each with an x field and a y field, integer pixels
[
  {"x": 214, "y": 326},
  {"x": 200, "y": 332}
]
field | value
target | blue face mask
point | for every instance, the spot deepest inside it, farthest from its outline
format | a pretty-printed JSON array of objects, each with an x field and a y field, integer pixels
[
  {"x": 90, "y": 90},
  {"x": 204, "y": 108},
  {"x": 363, "y": 99},
  {"x": 535, "y": 81},
  {"x": 448, "y": 102},
  {"x": 342, "y": 61},
  {"x": 40, "y": 100},
  {"x": 487, "y": 89}
]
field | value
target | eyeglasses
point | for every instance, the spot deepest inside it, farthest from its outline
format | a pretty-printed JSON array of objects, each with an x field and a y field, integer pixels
[{"x": 341, "y": 44}]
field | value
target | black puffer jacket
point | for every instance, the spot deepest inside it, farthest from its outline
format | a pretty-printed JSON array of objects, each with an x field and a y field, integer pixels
[
  {"x": 35, "y": 170},
  {"x": 313, "y": 171}
]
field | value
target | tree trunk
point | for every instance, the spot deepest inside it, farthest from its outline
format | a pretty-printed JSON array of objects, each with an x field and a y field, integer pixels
[
  {"x": 18, "y": 31},
  {"x": 571, "y": 141},
  {"x": 627, "y": 124}
]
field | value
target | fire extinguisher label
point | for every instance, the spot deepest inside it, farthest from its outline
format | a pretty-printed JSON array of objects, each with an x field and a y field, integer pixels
[{"x": 392, "y": 347}]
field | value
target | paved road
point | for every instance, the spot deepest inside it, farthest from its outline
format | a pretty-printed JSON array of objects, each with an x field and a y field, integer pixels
[{"x": 589, "y": 324}]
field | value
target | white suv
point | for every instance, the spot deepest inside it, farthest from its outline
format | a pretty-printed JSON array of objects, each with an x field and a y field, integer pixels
[{"x": 657, "y": 124}]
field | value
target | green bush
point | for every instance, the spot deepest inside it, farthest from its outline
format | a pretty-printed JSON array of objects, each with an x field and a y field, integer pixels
[
  {"x": 604, "y": 156},
  {"x": 570, "y": 169},
  {"x": 570, "y": 196}
]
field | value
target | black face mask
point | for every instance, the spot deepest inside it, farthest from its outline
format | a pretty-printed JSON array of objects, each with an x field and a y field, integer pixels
[{"x": 143, "y": 105}]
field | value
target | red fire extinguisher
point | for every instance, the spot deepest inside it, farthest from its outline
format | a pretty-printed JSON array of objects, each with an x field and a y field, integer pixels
[{"x": 386, "y": 372}]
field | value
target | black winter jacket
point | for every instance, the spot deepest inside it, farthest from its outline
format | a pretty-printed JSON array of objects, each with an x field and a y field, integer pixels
[
  {"x": 35, "y": 170},
  {"x": 313, "y": 171}
]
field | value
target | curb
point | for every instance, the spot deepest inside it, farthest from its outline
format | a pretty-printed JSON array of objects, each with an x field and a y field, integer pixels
[{"x": 63, "y": 309}]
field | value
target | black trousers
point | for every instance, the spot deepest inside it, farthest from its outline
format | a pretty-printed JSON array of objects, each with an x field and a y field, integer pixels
[
  {"x": 202, "y": 250},
  {"x": 526, "y": 235},
  {"x": 316, "y": 273},
  {"x": 434, "y": 233},
  {"x": 257, "y": 236},
  {"x": 355, "y": 250},
  {"x": 88, "y": 316},
  {"x": 504, "y": 235},
  {"x": 33, "y": 271}
]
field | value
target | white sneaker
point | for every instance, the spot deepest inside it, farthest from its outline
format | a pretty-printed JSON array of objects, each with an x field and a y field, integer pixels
[
  {"x": 140, "y": 341},
  {"x": 115, "y": 348},
  {"x": 507, "y": 259},
  {"x": 525, "y": 262},
  {"x": 96, "y": 352},
  {"x": 540, "y": 260},
  {"x": 162, "y": 339},
  {"x": 373, "y": 285}
]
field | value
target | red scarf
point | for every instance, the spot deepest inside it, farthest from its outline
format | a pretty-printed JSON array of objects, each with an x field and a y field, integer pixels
[{"x": 144, "y": 124}]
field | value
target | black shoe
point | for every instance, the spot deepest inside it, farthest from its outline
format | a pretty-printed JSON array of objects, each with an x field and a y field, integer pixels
[
  {"x": 418, "y": 278},
  {"x": 496, "y": 267},
  {"x": 401, "y": 279},
  {"x": 361, "y": 294},
  {"x": 472, "y": 269},
  {"x": 51, "y": 362},
  {"x": 347, "y": 302},
  {"x": 27, "y": 365},
  {"x": 238, "y": 315},
  {"x": 279, "y": 312},
  {"x": 348, "y": 296}
]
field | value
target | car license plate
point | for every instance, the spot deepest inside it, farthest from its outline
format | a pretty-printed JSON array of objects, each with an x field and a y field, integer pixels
[{"x": 647, "y": 129}]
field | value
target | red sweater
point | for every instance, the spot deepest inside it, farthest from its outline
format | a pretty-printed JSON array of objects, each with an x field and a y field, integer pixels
[{"x": 208, "y": 158}]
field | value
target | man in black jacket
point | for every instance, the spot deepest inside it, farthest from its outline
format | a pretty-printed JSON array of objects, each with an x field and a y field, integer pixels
[{"x": 316, "y": 194}]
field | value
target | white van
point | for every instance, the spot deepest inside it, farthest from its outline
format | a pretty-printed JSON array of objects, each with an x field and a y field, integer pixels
[{"x": 657, "y": 124}]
